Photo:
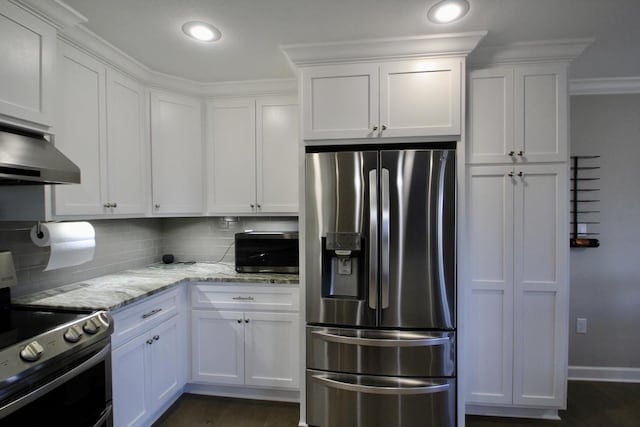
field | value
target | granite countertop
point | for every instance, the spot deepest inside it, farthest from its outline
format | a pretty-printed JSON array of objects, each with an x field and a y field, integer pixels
[{"x": 117, "y": 290}]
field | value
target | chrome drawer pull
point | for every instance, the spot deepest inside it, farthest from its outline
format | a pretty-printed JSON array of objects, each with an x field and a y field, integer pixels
[
  {"x": 243, "y": 298},
  {"x": 151, "y": 313},
  {"x": 412, "y": 340},
  {"x": 426, "y": 388}
]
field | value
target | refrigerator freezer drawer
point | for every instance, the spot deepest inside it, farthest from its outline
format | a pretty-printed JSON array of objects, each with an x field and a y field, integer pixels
[
  {"x": 381, "y": 352},
  {"x": 344, "y": 400}
]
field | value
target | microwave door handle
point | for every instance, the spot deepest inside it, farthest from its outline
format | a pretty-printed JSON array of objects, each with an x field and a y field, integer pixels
[
  {"x": 373, "y": 239},
  {"x": 385, "y": 242}
]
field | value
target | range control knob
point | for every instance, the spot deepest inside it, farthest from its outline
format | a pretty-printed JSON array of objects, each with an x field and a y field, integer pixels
[
  {"x": 91, "y": 326},
  {"x": 104, "y": 318},
  {"x": 31, "y": 352},
  {"x": 73, "y": 334}
]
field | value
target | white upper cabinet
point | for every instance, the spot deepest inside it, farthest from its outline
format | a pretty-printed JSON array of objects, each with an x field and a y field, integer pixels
[
  {"x": 379, "y": 100},
  {"x": 177, "y": 154},
  {"x": 518, "y": 114},
  {"x": 253, "y": 155},
  {"x": 27, "y": 69},
  {"x": 100, "y": 126}
]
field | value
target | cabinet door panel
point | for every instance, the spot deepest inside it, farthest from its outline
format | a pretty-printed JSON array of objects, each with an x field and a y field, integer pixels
[
  {"x": 541, "y": 122},
  {"x": 27, "y": 72},
  {"x": 277, "y": 154},
  {"x": 420, "y": 97},
  {"x": 217, "y": 347},
  {"x": 80, "y": 132},
  {"x": 490, "y": 131},
  {"x": 340, "y": 101},
  {"x": 489, "y": 317},
  {"x": 176, "y": 150},
  {"x": 271, "y": 349},
  {"x": 125, "y": 145},
  {"x": 232, "y": 156},
  {"x": 129, "y": 383},
  {"x": 164, "y": 360}
]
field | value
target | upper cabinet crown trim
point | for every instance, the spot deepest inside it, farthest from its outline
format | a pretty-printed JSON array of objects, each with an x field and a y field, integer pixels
[
  {"x": 534, "y": 51},
  {"x": 454, "y": 44},
  {"x": 56, "y": 13}
]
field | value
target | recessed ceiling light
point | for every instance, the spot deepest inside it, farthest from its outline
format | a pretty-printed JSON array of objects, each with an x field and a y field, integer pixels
[
  {"x": 447, "y": 11},
  {"x": 201, "y": 31}
]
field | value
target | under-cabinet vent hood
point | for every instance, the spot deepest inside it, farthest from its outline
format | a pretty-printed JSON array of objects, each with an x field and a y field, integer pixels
[{"x": 28, "y": 158}]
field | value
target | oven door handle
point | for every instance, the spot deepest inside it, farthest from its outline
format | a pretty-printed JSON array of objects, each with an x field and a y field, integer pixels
[
  {"x": 39, "y": 392},
  {"x": 104, "y": 416},
  {"x": 413, "y": 340},
  {"x": 416, "y": 387}
]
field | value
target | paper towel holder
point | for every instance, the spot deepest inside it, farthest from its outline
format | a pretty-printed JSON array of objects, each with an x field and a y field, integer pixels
[{"x": 39, "y": 232}]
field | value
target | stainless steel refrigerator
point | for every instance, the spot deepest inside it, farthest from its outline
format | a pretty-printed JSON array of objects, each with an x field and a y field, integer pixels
[{"x": 381, "y": 288}]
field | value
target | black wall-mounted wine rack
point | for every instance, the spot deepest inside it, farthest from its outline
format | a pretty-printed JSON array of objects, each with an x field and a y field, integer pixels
[{"x": 585, "y": 200}]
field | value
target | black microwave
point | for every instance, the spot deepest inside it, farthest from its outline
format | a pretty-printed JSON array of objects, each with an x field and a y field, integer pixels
[{"x": 267, "y": 252}]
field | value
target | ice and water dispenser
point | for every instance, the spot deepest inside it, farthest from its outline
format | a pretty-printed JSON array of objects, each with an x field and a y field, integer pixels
[{"x": 342, "y": 265}]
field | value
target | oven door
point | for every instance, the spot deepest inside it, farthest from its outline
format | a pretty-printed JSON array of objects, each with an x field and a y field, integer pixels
[{"x": 76, "y": 393}]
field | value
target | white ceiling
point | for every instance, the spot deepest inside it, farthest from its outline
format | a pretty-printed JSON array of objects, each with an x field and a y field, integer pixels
[{"x": 252, "y": 30}]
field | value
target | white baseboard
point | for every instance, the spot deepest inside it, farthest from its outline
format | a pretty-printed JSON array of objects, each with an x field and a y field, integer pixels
[
  {"x": 599, "y": 373},
  {"x": 513, "y": 412}
]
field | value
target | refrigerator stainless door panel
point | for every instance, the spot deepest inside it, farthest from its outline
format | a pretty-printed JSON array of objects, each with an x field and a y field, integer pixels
[
  {"x": 341, "y": 200},
  {"x": 381, "y": 352},
  {"x": 420, "y": 252},
  {"x": 345, "y": 400}
]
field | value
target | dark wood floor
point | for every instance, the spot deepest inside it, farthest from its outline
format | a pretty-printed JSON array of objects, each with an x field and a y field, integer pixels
[{"x": 589, "y": 404}]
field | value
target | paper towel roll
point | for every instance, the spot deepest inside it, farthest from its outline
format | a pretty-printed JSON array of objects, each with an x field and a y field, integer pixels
[{"x": 72, "y": 243}]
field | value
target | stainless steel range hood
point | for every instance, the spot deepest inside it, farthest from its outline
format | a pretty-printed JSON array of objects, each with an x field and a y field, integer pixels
[{"x": 28, "y": 158}]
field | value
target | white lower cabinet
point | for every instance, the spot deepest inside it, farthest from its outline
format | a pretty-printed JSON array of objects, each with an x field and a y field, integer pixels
[
  {"x": 245, "y": 347},
  {"x": 148, "y": 369}
]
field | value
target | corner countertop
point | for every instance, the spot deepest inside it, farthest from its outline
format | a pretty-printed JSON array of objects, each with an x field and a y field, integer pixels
[{"x": 113, "y": 291}]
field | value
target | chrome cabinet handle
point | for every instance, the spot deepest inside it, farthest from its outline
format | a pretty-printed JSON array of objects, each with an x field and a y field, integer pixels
[
  {"x": 373, "y": 239},
  {"x": 384, "y": 127},
  {"x": 259, "y": 206},
  {"x": 520, "y": 174},
  {"x": 424, "y": 387},
  {"x": 411, "y": 340},
  {"x": 149, "y": 341},
  {"x": 151, "y": 313},
  {"x": 114, "y": 205},
  {"x": 511, "y": 153},
  {"x": 510, "y": 174},
  {"x": 520, "y": 153},
  {"x": 107, "y": 205},
  {"x": 157, "y": 205},
  {"x": 246, "y": 320},
  {"x": 252, "y": 206},
  {"x": 156, "y": 337},
  {"x": 243, "y": 298},
  {"x": 375, "y": 128},
  {"x": 239, "y": 321}
]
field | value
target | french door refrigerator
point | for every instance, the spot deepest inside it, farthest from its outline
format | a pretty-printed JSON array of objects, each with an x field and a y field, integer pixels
[{"x": 381, "y": 289}]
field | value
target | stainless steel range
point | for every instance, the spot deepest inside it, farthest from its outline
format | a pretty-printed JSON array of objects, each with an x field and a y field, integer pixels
[
  {"x": 380, "y": 279},
  {"x": 55, "y": 367}
]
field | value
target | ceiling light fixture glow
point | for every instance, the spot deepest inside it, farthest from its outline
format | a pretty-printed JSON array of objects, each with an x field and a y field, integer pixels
[
  {"x": 201, "y": 31},
  {"x": 447, "y": 11}
]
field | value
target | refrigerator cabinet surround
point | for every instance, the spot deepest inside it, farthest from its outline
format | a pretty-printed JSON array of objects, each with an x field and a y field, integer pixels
[{"x": 380, "y": 278}]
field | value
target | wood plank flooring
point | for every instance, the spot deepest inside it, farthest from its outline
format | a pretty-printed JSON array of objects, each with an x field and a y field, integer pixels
[{"x": 589, "y": 404}]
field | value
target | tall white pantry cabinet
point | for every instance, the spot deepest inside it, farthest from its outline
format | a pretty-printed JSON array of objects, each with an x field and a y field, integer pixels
[{"x": 516, "y": 261}]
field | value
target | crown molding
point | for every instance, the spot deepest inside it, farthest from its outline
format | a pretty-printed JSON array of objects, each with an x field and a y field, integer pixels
[
  {"x": 454, "y": 44},
  {"x": 564, "y": 50},
  {"x": 605, "y": 86},
  {"x": 55, "y": 12}
]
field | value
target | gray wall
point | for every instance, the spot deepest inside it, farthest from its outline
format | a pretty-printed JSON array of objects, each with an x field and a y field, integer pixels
[
  {"x": 210, "y": 239},
  {"x": 605, "y": 281},
  {"x": 120, "y": 244}
]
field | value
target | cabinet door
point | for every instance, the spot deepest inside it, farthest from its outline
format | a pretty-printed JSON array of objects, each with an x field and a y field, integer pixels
[
  {"x": 81, "y": 132},
  {"x": 541, "y": 113},
  {"x": 420, "y": 98},
  {"x": 277, "y": 154},
  {"x": 541, "y": 286},
  {"x": 176, "y": 149},
  {"x": 126, "y": 151},
  {"x": 165, "y": 366},
  {"x": 27, "y": 69},
  {"x": 489, "y": 289},
  {"x": 217, "y": 347},
  {"x": 231, "y": 127},
  {"x": 271, "y": 349},
  {"x": 491, "y": 129},
  {"x": 340, "y": 101},
  {"x": 130, "y": 387}
]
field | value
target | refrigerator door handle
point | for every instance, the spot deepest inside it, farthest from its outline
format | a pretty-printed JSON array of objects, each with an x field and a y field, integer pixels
[
  {"x": 373, "y": 239},
  {"x": 411, "y": 340},
  {"x": 384, "y": 250},
  {"x": 424, "y": 387}
]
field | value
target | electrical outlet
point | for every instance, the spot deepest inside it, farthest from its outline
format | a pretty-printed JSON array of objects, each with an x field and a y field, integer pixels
[{"x": 581, "y": 325}]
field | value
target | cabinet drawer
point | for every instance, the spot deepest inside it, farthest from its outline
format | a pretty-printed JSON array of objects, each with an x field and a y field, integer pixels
[
  {"x": 256, "y": 297},
  {"x": 140, "y": 317}
]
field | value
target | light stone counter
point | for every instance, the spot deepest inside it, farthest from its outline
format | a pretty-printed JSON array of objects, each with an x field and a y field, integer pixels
[{"x": 117, "y": 290}]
